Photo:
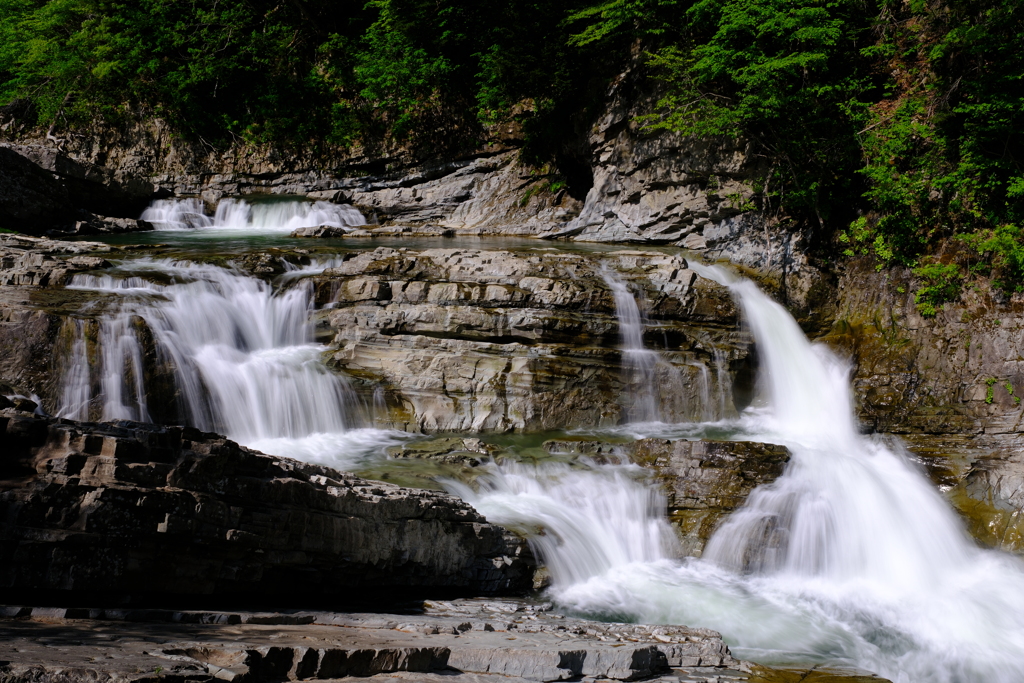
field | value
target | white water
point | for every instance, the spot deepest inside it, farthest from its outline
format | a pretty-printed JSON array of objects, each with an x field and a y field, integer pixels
[
  {"x": 851, "y": 558},
  {"x": 261, "y": 217},
  {"x": 243, "y": 359},
  {"x": 638, "y": 362}
]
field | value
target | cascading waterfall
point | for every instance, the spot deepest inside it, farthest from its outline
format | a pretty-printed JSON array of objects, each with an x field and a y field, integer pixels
[
  {"x": 613, "y": 519},
  {"x": 851, "y": 557},
  {"x": 639, "y": 362},
  {"x": 243, "y": 359},
  {"x": 238, "y": 214}
]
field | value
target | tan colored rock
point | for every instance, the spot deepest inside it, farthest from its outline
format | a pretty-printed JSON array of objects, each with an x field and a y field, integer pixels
[{"x": 497, "y": 340}]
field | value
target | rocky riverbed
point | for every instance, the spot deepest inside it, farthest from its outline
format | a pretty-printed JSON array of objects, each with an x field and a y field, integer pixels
[
  {"x": 466, "y": 641},
  {"x": 529, "y": 352}
]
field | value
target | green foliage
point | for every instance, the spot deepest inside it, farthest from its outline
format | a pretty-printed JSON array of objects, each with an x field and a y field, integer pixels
[
  {"x": 940, "y": 283},
  {"x": 990, "y": 392},
  {"x": 297, "y": 72},
  {"x": 895, "y": 127},
  {"x": 791, "y": 76},
  {"x": 1004, "y": 247}
]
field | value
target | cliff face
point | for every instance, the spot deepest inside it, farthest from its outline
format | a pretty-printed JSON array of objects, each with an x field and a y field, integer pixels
[
  {"x": 948, "y": 385},
  {"x": 476, "y": 340}
]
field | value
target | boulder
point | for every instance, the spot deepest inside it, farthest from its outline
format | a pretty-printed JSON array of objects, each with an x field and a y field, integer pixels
[
  {"x": 706, "y": 480},
  {"x": 32, "y": 201},
  {"x": 129, "y": 509},
  {"x": 95, "y": 188},
  {"x": 98, "y": 225}
]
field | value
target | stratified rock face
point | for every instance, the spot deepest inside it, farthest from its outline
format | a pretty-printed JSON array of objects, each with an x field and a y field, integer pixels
[
  {"x": 495, "y": 340},
  {"x": 32, "y": 311},
  {"x": 949, "y": 386},
  {"x": 31, "y": 200},
  {"x": 138, "y": 509}
]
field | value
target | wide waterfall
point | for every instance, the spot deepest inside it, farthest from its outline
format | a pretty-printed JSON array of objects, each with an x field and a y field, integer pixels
[
  {"x": 282, "y": 215},
  {"x": 852, "y": 556},
  {"x": 242, "y": 355}
]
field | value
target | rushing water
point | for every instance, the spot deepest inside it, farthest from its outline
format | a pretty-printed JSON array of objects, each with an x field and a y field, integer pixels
[
  {"x": 280, "y": 216},
  {"x": 852, "y": 557},
  {"x": 639, "y": 363},
  {"x": 242, "y": 356}
]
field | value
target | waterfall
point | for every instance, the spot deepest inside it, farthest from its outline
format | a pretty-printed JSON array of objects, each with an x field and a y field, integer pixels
[
  {"x": 638, "y": 362},
  {"x": 723, "y": 382},
  {"x": 242, "y": 356},
  {"x": 594, "y": 520},
  {"x": 852, "y": 557},
  {"x": 77, "y": 389},
  {"x": 239, "y": 214}
]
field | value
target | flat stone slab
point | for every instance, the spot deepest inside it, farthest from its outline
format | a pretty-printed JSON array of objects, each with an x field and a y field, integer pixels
[{"x": 461, "y": 641}]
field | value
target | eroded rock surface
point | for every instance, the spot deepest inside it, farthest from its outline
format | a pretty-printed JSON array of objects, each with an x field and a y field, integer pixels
[
  {"x": 471, "y": 340},
  {"x": 949, "y": 386},
  {"x": 134, "y": 509}
]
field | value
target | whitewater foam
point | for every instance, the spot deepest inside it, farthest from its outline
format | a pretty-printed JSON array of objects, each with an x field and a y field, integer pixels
[{"x": 852, "y": 557}]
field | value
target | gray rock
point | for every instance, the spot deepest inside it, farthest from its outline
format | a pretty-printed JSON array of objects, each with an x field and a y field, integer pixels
[
  {"x": 105, "y": 224},
  {"x": 31, "y": 200},
  {"x": 102, "y": 190},
  {"x": 465, "y": 641},
  {"x": 136, "y": 509},
  {"x": 706, "y": 480}
]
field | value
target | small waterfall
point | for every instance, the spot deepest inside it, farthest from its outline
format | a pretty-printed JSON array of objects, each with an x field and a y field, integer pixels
[
  {"x": 239, "y": 214},
  {"x": 852, "y": 557},
  {"x": 77, "y": 390},
  {"x": 592, "y": 520},
  {"x": 707, "y": 406},
  {"x": 121, "y": 375},
  {"x": 639, "y": 363},
  {"x": 242, "y": 355},
  {"x": 723, "y": 382}
]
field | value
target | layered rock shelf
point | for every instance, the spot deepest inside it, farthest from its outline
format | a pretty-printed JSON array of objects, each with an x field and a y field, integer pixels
[
  {"x": 465, "y": 641},
  {"x": 138, "y": 510},
  {"x": 466, "y": 339}
]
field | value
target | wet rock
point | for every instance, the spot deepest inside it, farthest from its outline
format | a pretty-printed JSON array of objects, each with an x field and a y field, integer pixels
[
  {"x": 132, "y": 509},
  {"x": 449, "y": 450},
  {"x": 463, "y": 641},
  {"x": 706, "y": 480},
  {"x": 321, "y": 231},
  {"x": 104, "y": 224}
]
